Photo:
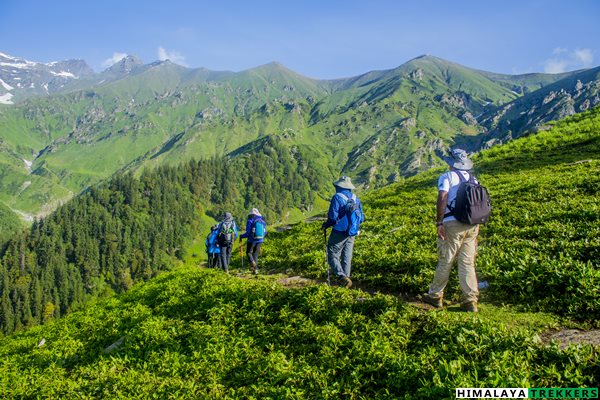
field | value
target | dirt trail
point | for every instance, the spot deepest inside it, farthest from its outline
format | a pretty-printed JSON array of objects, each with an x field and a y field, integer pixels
[{"x": 567, "y": 337}]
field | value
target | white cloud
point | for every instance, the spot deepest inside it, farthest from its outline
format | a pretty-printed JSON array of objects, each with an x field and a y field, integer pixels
[
  {"x": 566, "y": 60},
  {"x": 555, "y": 66},
  {"x": 585, "y": 56},
  {"x": 174, "y": 56},
  {"x": 116, "y": 57}
]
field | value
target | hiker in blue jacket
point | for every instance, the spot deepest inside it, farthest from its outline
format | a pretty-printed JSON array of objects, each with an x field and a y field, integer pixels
[
  {"x": 212, "y": 248},
  {"x": 256, "y": 231},
  {"x": 341, "y": 240}
]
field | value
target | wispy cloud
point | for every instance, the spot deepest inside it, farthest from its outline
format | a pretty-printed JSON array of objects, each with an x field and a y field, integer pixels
[
  {"x": 116, "y": 57},
  {"x": 585, "y": 57},
  {"x": 174, "y": 56},
  {"x": 565, "y": 60}
]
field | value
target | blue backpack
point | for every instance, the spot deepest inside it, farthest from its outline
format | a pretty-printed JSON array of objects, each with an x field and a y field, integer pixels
[
  {"x": 259, "y": 230},
  {"x": 352, "y": 213}
]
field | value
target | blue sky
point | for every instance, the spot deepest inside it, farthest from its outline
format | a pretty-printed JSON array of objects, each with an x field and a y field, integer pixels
[{"x": 320, "y": 39}]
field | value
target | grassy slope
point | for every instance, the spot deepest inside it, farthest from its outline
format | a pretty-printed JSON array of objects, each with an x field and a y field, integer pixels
[
  {"x": 202, "y": 334},
  {"x": 540, "y": 248}
]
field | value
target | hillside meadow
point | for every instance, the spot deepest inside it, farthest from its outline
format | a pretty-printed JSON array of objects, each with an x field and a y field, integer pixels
[
  {"x": 540, "y": 249},
  {"x": 198, "y": 333}
]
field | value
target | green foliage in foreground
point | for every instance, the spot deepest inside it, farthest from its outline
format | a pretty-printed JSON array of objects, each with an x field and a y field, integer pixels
[
  {"x": 203, "y": 334},
  {"x": 541, "y": 248}
]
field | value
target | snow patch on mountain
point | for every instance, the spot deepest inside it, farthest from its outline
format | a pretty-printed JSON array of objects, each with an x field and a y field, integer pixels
[
  {"x": 6, "y": 85},
  {"x": 6, "y": 98},
  {"x": 20, "y": 64},
  {"x": 64, "y": 74}
]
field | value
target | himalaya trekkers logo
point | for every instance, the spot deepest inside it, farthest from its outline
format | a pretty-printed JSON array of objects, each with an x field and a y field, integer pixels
[{"x": 527, "y": 393}]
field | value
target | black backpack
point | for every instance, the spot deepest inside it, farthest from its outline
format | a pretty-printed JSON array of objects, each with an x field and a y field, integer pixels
[
  {"x": 472, "y": 205},
  {"x": 226, "y": 232}
]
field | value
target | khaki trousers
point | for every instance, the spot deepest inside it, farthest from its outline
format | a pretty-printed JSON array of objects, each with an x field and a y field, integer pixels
[{"x": 460, "y": 244}]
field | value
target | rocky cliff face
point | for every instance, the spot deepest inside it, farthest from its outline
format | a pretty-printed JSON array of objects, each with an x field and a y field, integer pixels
[{"x": 529, "y": 113}]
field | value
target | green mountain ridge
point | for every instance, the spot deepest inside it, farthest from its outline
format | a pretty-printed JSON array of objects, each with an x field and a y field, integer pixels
[{"x": 379, "y": 127}]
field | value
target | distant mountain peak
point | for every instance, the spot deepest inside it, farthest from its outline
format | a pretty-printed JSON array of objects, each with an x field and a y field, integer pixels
[
  {"x": 275, "y": 64},
  {"x": 276, "y": 68},
  {"x": 166, "y": 62},
  {"x": 431, "y": 59},
  {"x": 271, "y": 66},
  {"x": 126, "y": 64}
]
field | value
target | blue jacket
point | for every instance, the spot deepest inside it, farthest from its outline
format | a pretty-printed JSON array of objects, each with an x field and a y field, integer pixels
[
  {"x": 212, "y": 247},
  {"x": 252, "y": 219},
  {"x": 336, "y": 207}
]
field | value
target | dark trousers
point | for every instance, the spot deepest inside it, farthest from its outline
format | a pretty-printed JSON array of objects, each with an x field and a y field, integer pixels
[
  {"x": 225, "y": 257},
  {"x": 252, "y": 251},
  {"x": 213, "y": 260},
  {"x": 339, "y": 253}
]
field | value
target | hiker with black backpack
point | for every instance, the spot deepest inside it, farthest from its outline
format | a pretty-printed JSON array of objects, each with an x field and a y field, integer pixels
[
  {"x": 345, "y": 216},
  {"x": 462, "y": 205},
  {"x": 256, "y": 231},
  {"x": 228, "y": 232}
]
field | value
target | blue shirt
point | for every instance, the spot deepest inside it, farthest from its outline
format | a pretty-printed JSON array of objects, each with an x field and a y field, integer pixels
[
  {"x": 335, "y": 216},
  {"x": 252, "y": 219}
]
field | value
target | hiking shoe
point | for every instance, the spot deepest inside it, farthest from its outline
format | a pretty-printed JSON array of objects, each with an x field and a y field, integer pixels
[
  {"x": 470, "y": 306},
  {"x": 435, "y": 302},
  {"x": 346, "y": 282}
]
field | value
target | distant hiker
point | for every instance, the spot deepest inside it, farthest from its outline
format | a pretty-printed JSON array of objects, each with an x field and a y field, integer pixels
[
  {"x": 212, "y": 247},
  {"x": 256, "y": 231},
  {"x": 456, "y": 240},
  {"x": 228, "y": 232},
  {"x": 345, "y": 216}
]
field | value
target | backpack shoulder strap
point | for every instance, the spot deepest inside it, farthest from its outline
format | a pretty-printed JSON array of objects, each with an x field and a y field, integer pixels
[
  {"x": 461, "y": 178},
  {"x": 472, "y": 178},
  {"x": 343, "y": 196}
]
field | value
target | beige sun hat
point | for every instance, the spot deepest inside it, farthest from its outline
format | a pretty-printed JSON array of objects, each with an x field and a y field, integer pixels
[{"x": 344, "y": 182}]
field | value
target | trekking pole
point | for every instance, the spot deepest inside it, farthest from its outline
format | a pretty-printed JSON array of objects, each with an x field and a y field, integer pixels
[
  {"x": 326, "y": 262},
  {"x": 242, "y": 254}
]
